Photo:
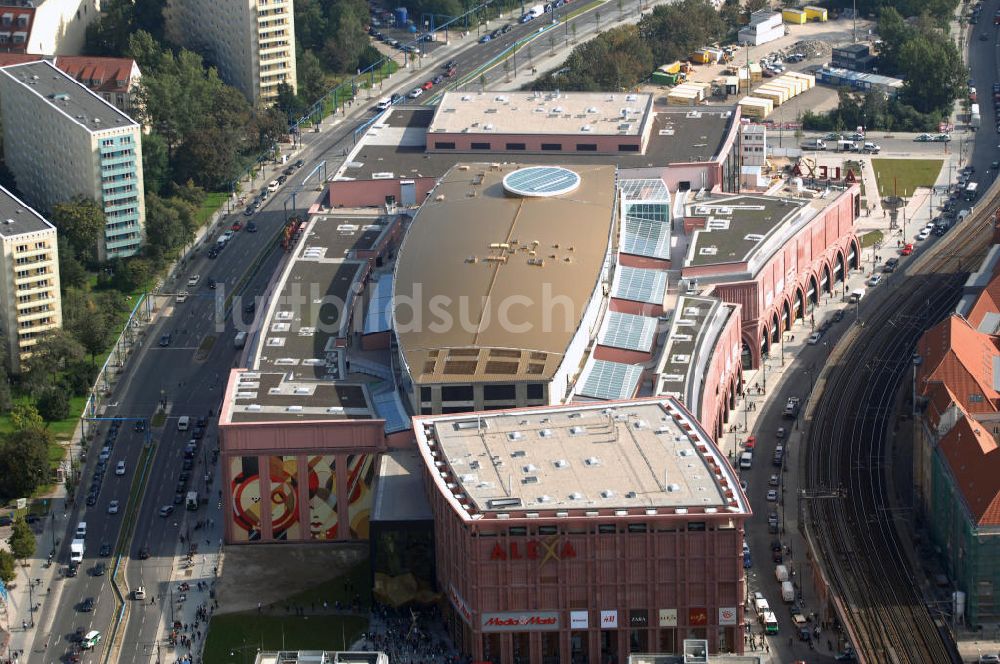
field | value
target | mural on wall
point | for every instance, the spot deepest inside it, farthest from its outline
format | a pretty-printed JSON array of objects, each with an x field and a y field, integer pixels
[
  {"x": 360, "y": 477},
  {"x": 323, "y": 497},
  {"x": 284, "y": 476},
  {"x": 245, "y": 488}
]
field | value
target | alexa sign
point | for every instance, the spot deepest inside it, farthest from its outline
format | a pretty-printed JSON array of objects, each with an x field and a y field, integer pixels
[{"x": 543, "y": 550}]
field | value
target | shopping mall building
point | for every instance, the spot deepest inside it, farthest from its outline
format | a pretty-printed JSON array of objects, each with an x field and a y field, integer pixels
[{"x": 584, "y": 532}]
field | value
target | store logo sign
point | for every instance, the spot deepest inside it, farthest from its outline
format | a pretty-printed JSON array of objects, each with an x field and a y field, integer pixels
[
  {"x": 668, "y": 617},
  {"x": 727, "y": 615},
  {"x": 459, "y": 604},
  {"x": 609, "y": 620},
  {"x": 520, "y": 621},
  {"x": 544, "y": 550},
  {"x": 579, "y": 620},
  {"x": 697, "y": 617}
]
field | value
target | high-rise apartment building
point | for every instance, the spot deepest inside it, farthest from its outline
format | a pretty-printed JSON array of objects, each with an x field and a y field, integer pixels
[
  {"x": 252, "y": 42},
  {"x": 62, "y": 140},
  {"x": 29, "y": 279}
]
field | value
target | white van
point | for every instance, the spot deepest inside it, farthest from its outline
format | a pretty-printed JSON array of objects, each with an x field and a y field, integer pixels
[
  {"x": 81, "y": 530},
  {"x": 383, "y": 103},
  {"x": 962, "y": 214},
  {"x": 746, "y": 460},
  {"x": 856, "y": 295},
  {"x": 183, "y": 422}
]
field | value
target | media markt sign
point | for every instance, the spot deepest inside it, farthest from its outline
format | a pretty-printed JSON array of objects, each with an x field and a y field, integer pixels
[{"x": 520, "y": 621}]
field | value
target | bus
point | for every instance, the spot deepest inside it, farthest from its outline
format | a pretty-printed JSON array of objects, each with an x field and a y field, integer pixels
[
  {"x": 970, "y": 191},
  {"x": 770, "y": 623}
]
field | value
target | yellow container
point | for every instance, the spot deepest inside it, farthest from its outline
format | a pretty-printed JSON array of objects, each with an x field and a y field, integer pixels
[
  {"x": 794, "y": 16},
  {"x": 755, "y": 107},
  {"x": 815, "y": 13}
]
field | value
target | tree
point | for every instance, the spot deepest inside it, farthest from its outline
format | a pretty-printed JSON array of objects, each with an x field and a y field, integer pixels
[
  {"x": 80, "y": 223},
  {"x": 933, "y": 71},
  {"x": 24, "y": 462},
  {"x": 80, "y": 377},
  {"x": 109, "y": 34},
  {"x": 22, "y": 540},
  {"x": 72, "y": 274},
  {"x": 53, "y": 404},
  {"x": 8, "y": 567},
  {"x": 24, "y": 416},
  {"x": 675, "y": 30},
  {"x": 614, "y": 60},
  {"x": 342, "y": 49},
  {"x": 51, "y": 354},
  {"x": 311, "y": 78},
  {"x": 155, "y": 163},
  {"x": 288, "y": 102},
  {"x": 6, "y": 399},
  {"x": 756, "y": 5},
  {"x": 310, "y": 27}
]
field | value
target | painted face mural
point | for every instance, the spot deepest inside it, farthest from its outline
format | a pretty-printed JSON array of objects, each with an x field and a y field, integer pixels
[
  {"x": 323, "y": 497},
  {"x": 360, "y": 475},
  {"x": 245, "y": 488},
  {"x": 284, "y": 476}
]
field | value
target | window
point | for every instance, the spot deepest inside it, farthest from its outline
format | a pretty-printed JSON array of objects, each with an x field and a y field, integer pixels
[
  {"x": 498, "y": 392},
  {"x": 456, "y": 393},
  {"x": 975, "y": 398},
  {"x": 518, "y": 531},
  {"x": 628, "y": 147},
  {"x": 696, "y": 527},
  {"x": 606, "y": 528},
  {"x": 536, "y": 391},
  {"x": 637, "y": 527},
  {"x": 480, "y": 146},
  {"x": 586, "y": 147},
  {"x": 425, "y": 394},
  {"x": 515, "y": 146},
  {"x": 444, "y": 145},
  {"x": 556, "y": 147}
]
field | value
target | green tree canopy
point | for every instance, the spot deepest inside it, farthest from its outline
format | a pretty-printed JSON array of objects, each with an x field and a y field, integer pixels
[
  {"x": 8, "y": 567},
  {"x": 53, "y": 353},
  {"x": 22, "y": 540},
  {"x": 614, "y": 60},
  {"x": 24, "y": 416},
  {"x": 673, "y": 31},
  {"x": 80, "y": 223},
  {"x": 24, "y": 462},
  {"x": 53, "y": 404}
]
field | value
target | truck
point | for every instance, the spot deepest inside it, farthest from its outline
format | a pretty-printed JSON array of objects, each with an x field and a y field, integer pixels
[
  {"x": 191, "y": 502},
  {"x": 974, "y": 117},
  {"x": 856, "y": 295},
  {"x": 787, "y": 592},
  {"x": 781, "y": 573},
  {"x": 760, "y": 604},
  {"x": 76, "y": 550},
  {"x": 240, "y": 339},
  {"x": 532, "y": 13},
  {"x": 792, "y": 408}
]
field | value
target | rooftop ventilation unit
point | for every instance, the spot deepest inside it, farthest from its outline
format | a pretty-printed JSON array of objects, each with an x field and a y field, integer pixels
[
  {"x": 530, "y": 479},
  {"x": 561, "y": 463},
  {"x": 503, "y": 503},
  {"x": 592, "y": 461},
  {"x": 576, "y": 495},
  {"x": 545, "y": 433},
  {"x": 607, "y": 493},
  {"x": 578, "y": 430},
  {"x": 517, "y": 454},
  {"x": 530, "y": 468},
  {"x": 515, "y": 435}
]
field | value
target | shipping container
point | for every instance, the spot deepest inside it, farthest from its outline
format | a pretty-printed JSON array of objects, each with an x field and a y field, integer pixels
[
  {"x": 793, "y": 16},
  {"x": 814, "y": 13}
]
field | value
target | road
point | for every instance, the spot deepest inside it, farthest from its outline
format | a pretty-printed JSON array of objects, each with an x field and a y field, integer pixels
[{"x": 190, "y": 374}]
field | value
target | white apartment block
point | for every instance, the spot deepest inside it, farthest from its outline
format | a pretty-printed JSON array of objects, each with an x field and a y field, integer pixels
[
  {"x": 29, "y": 279},
  {"x": 46, "y": 27},
  {"x": 62, "y": 140},
  {"x": 251, "y": 41}
]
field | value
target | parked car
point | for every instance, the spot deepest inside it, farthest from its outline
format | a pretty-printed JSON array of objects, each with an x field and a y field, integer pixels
[
  {"x": 427, "y": 85},
  {"x": 166, "y": 510},
  {"x": 814, "y": 338},
  {"x": 415, "y": 92},
  {"x": 875, "y": 279},
  {"x": 251, "y": 227},
  {"x": 484, "y": 39}
]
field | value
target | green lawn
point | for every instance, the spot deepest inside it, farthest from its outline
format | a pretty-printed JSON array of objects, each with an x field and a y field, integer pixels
[
  {"x": 235, "y": 638},
  {"x": 900, "y": 177},
  {"x": 213, "y": 201}
]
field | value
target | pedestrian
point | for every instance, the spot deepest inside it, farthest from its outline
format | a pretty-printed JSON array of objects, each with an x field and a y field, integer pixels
[{"x": 258, "y": 607}]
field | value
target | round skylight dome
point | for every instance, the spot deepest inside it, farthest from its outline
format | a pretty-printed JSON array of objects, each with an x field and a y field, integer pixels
[{"x": 541, "y": 181}]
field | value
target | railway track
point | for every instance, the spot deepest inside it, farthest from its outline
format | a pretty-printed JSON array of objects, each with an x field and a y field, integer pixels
[{"x": 853, "y": 531}]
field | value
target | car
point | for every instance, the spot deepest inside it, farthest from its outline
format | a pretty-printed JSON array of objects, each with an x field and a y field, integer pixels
[
  {"x": 451, "y": 72},
  {"x": 814, "y": 338},
  {"x": 923, "y": 138},
  {"x": 105, "y": 550},
  {"x": 394, "y": 98},
  {"x": 507, "y": 28},
  {"x": 144, "y": 551},
  {"x": 907, "y": 249},
  {"x": 87, "y": 605},
  {"x": 187, "y": 464},
  {"x": 71, "y": 570},
  {"x": 772, "y": 496},
  {"x": 140, "y": 426},
  {"x": 178, "y": 498},
  {"x": 449, "y": 64},
  {"x": 942, "y": 138},
  {"x": 496, "y": 33},
  {"x": 427, "y": 85},
  {"x": 834, "y": 136},
  {"x": 248, "y": 211},
  {"x": 890, "y": 265},
  {"x": 139, "y": 593},
  {"x": 181, "y": 298},
  {"x": 438, "y": 79},
  {"x": 251, "y": 227},
  {"x": 99, "y": 569},
  {"x": 995, "y": 165},
  {"x": 989, "y": 659},
  {"x": 263, "y": 194},
  {"x": 164, "y": 340},
  {"x": 776, "y": 557},
  {"x": 237, "y": 226},
  {"x": 198, "y": 432},
  {"x": 250, "y": 308},
  {"x": 282, "y": 179},
  {"x": 211, "y": 283},
  {"x": 750, "y": 443},
  {"x": 184, "y": 477},
  {"x": 226, "y": 237},
  {"x": 91, "y": 499},
  {"x": 774, "y": 480},
  {"x": 300, "y": 163},
  {"x": 273, "y": 185},
  {"x": 772, "y": 517},
  {"x": 875, "y": 279},
  {"x": 113, "y": 507},
  {"x": 120, "y": 468},
  {"x": 288, "y": 171},
  {"x": 90, "y": 640},
  {"x": 213, "y": 252},
  {"x": 166, "y": 510},
  {"x": 415, "y": 92},
  {"x": 484, "y": 39},
  {"x": 922, "y": 235},
  {"x": 194, "y": 279}
]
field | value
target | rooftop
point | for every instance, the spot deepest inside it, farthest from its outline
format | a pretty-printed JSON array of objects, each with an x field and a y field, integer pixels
[
  {"x": 72, "y": 98},
  {"x": 739, "y": 226},
  {"x": 635, "y": 457},
  {"x": 313, "y": 304},
  {"x": 104, "y": 74},
  {"x": 547, "y": 113},
  {"x": 267, "y": 396},
  {"x": 493, "y": 262},
  {"x": 691, "y": 340},
  {"x": 399, "y": 491},
  {"x": 16, "y": 217},
  {"x": 678, "y": 135},
  {"x": 320, "y": 657}
]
